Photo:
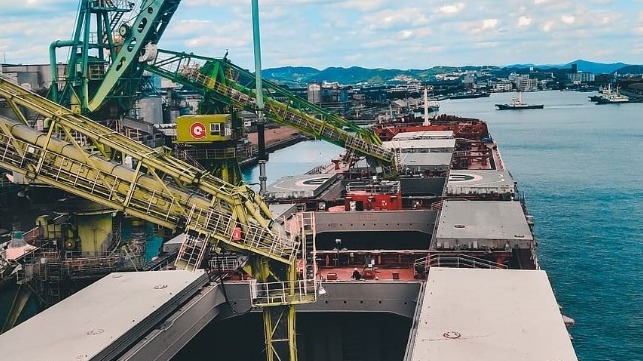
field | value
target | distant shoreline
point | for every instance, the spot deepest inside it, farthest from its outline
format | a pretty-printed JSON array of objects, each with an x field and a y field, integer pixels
[{"x": 276, "y": 138}]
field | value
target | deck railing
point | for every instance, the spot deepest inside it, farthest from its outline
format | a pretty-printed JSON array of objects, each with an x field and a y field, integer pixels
[{"x": 458, "y": 260}]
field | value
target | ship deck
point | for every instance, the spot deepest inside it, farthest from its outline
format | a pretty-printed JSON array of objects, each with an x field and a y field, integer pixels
[
  {"x": 477, "y": 314},
  {"x": 375, "y": 274}
]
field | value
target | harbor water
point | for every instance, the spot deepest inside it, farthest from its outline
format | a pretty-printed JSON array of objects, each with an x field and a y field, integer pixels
[{"x": 581, "y": 170}]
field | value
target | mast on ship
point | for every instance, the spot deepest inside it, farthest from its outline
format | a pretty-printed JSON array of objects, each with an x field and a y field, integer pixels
[{"x": 426, "y": 108}]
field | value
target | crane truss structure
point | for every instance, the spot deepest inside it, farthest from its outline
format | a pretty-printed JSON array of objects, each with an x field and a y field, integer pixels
[
  {"x": 164, "y": 191},
  {"x": 107, "y": 54},
  {"x": 233, "y": 85}
]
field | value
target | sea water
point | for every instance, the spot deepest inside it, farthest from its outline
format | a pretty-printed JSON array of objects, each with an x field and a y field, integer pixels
[{"x": 580, "y": 167}]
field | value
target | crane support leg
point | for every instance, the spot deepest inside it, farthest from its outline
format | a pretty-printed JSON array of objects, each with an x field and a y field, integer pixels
[{"x": 279, "y": 329}]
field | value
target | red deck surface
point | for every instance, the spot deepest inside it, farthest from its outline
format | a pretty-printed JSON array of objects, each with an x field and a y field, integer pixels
[{"x": 368, "y": 275}]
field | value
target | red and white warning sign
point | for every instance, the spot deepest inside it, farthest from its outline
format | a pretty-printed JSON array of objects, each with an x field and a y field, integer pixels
[{"x": 197, "y": 130}]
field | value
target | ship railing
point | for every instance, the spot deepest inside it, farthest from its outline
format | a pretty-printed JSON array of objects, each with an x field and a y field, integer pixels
[
  {"x": 270, "y": 294},
  {"x": 316, "y": 170},
  {"x": 533, "y": 256},
  {"x": 458, "y": 260},
  {"x": 224, "y": 263},
  {"x": 80, "y": 267},
  {"x": 502, "y": 190},
  {"x": 27, "y": 269},
  {"x": 379, "y": 187},
  {"x": 207, "y": 225},
  {"x": 227, "y": 153}
]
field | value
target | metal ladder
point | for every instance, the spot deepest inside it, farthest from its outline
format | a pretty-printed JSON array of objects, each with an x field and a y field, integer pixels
[{"x": 308, "y": 233}]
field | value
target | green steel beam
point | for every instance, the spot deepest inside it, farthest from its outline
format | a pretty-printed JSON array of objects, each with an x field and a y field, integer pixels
[
  {"x": 88, "y": 91},
  {"x": 124, "y": 73},
  {"x": 234, "y": 86}
]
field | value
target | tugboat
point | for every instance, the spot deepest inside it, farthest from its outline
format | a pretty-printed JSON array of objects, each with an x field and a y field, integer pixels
[
  {"x": 518, "y": 104},
  {"x": 610, "y": 97}
]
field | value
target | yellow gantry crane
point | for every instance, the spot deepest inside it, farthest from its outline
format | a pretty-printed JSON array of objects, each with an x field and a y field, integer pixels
[
  {"x": 108, "y": 54},
  {"x": 102, "y": 81},
  {"x": 165, "y": 191}
]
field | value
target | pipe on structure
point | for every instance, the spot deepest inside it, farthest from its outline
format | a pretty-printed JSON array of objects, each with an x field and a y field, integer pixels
[
  {"x": 262, "y": 156},
  {"x": 53, "y": 64}
]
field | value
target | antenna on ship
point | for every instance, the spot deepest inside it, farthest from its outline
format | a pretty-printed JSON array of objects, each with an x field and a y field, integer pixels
[{"x": 426, "y": 107}]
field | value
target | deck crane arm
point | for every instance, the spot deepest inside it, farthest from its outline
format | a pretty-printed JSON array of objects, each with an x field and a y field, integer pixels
[
  {"x": 235, "y": 86},
  {"x": 164, "y": 191}
]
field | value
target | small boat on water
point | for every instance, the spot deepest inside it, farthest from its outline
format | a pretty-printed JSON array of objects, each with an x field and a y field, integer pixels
[
  {"x": 610, "y": 97},
  {"x": 518, "y": 104}
]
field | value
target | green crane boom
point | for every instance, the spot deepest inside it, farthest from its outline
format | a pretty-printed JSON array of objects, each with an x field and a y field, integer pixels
[{"x": 233, "y": 85}]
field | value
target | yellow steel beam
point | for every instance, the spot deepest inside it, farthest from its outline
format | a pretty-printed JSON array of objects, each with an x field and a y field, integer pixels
[{"x": 146, "y": 195}]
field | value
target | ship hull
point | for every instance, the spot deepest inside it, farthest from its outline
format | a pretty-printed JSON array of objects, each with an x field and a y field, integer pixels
[{"x": 518, "y": 107}]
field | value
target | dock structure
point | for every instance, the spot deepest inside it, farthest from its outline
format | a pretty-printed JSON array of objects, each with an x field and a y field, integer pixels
[{"x": 489, "y": 314}]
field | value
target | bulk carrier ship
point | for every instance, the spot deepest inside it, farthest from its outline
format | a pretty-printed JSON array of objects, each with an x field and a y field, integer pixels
[{"x": 415, "y": 244}]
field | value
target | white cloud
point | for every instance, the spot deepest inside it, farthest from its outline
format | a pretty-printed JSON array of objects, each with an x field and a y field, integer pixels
[
  {"x": 489, "y": 23},
  {"x": 451, "y": 9},
  {"x": 323, "y": 33},
  {"x": 524, "y": 21},
  {"x": 486, "y": 44},
  {"x": 183, "y": 27},
  {"x": 568, "y": 19},
  {"x": 393, "y": 18},
  {"x": 548, "y": 26},
  {"x": 406, "y": 34},
  {"x": 362, "y": 5}
]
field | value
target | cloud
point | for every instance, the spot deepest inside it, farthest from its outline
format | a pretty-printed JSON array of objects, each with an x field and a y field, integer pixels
[
  {"x": 568, "y": 19},
  {"x": 451, "y": 9},
  {"x": 489, "y": 23},
  {"x": 406, "y": 34},
  {"x": 524, "y": 21},
  {"x": 548, "y": 26},
  {"x": 362, "y": 5},
  {"x": 394, "y": 18},
  {"x": 486, "y": 44},
  {"x": 190, "y": 26},
  {"x": 370, "y": 33}
]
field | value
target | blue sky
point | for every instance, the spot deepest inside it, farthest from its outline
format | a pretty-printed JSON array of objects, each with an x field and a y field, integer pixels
[{"x": 403, "y": 34}]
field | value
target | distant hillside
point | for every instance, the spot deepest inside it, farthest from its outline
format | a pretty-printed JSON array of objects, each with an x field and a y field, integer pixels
[
  {"x": 596, "y": 68},
  {"x": 290, "y": 74},
  {"x": 299, "y": 76},
  {"x": 357, "y": 74},
  {"x": 631, "y": 69},
  {"x": 303, "y": 75},
  {"x": 584, "y": 66}
]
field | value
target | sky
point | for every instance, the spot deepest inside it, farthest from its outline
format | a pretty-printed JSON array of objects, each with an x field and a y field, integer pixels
[{"x": 393, "y": 34}]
